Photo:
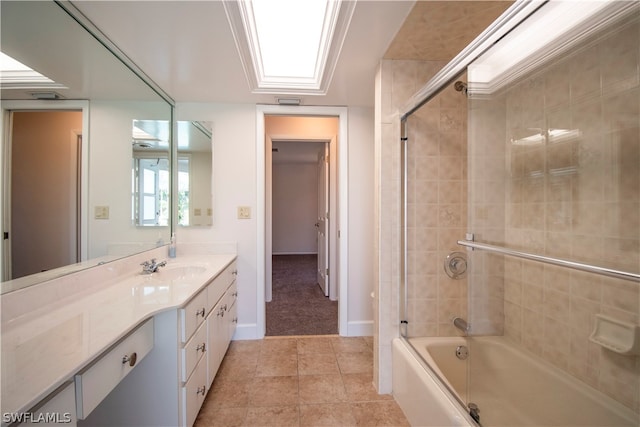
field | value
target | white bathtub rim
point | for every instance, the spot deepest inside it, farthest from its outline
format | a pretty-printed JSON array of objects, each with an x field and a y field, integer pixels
[
  {"x": 608, "y": 401},
  {"x": 455, "y": 408}
]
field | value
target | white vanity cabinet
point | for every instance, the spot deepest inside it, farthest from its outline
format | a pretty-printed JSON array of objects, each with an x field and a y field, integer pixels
[
  {"x": 214, "y": 334},
  {"x": 221, "y": 324},
  {"x": 171, "y": 383},
  {"x": 56, "y": 409}
]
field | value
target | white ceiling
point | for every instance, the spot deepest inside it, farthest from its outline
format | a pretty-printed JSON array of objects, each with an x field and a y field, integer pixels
[{"x": 188, "y": 49}]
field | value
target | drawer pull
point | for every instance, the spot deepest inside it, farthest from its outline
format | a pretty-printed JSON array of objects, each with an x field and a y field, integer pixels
[
  {"x": 130, "y": 359},
  {"x": 235, "y": 294},
  {"x": 224, "y": 307},
  {"x": 235, "y": 320},
  {"x": 200, "y": 312},
  {"x": 234, "y": 272},
  {"x": 201, "y": 390},
  {"x": 201, "y": 347}
]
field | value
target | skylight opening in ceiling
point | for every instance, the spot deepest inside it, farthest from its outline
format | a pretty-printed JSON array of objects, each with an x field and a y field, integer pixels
[
  {"x": 289, "y": 46},
  {"x": 15, "y": 75},
  {"x": 289, "y": 35}
]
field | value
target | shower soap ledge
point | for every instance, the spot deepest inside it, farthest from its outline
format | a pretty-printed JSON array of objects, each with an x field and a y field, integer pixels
[{"x": 616, "y": 335}]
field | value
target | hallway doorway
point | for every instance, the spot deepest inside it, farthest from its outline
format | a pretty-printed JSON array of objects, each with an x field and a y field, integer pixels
[
  {"x": 301, "y": 244},
  {"x": 298, "y": 306}
]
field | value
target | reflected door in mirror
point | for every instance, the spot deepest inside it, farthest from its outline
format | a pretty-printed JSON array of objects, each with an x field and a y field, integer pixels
[{"x": 45, "y": 190}]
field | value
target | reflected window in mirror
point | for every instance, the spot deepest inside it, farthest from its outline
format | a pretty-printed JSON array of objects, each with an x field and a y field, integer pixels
[
  {"x": 183, "y": 190},
  {"x": 151, "y": 176},
  {"x": 194, "y": 140}
]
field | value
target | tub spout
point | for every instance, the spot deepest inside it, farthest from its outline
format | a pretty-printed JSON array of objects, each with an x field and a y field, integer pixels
[{"x": 461, "y": 324}]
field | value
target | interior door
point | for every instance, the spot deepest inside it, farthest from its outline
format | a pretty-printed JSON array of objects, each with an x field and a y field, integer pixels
[{"x": 322, "y": 225}]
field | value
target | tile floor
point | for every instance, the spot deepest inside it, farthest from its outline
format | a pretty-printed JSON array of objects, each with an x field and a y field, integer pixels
[{"x": 298, "y": 381}]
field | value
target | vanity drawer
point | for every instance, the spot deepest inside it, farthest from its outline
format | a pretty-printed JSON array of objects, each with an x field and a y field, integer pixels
[
  {"x": 194, "y": 392},
  {"x": 193, "y": 351},
  {"x": 96, "y": 381},
  {"x": 192, "y": 315},
  {"x": 60, "y": 405},
  {"x": 216, "y": 289}
]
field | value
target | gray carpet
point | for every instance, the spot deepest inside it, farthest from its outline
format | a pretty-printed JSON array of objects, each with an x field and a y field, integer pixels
[{"x": 298, "y": 306}]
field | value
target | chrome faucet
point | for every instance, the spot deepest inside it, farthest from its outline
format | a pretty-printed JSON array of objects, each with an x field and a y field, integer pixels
[{"x": 149, "y": 267}]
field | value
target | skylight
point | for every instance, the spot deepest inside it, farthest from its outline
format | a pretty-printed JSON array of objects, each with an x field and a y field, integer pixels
[
  {"x": 289, "y": 36},
  {"x": 16, "y": 75},
  {"x": 289, "y": 46}
]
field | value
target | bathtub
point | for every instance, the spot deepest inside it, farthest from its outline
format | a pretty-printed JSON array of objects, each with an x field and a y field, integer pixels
[{"x": 510, "y": 386}]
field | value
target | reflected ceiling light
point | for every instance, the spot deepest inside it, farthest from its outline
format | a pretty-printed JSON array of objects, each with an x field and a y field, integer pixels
[
  {"x": 289, "y": 46},
  {"x": 15, "y": 75}
]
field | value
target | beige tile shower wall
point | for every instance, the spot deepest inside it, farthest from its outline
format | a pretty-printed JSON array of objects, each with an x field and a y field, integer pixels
[
  {"x": 436, "y": 212},
  {"x": 396, "y": 82},
  {"x": 577, "y": 197}
]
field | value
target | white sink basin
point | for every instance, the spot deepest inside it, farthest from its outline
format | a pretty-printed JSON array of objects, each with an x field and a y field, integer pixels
[{"x": 177, "y": 272}]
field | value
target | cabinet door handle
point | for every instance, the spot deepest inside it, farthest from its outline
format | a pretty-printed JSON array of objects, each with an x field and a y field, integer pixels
[
  {"x": 224, "y": 307},
  {"x": 201, "y": 347},
  {"x": 234, "y": 272},
  {"x": 131, "y": 359},
  {"x": 200, "y": 312},
  {"x": 201, "y": 390},
  {"x": 235, "y": 320},
  {"x": 235, "y": 294}
]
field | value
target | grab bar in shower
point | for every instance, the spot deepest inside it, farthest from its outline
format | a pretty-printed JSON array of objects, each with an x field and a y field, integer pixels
[{"x": 635, "y": 277}]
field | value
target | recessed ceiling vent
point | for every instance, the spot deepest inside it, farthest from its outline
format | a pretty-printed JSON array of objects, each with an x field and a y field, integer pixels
[{"x": 46, "y": 95}]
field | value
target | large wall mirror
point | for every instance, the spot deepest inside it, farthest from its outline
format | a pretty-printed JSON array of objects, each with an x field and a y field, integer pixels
[
  {"x": 194, "y": 142},
  {"x": 50, "y": 227}
]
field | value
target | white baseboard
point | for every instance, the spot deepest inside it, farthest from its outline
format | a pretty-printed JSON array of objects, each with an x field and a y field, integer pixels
[
  {"x": 247, "y": 331},
  {"x": 359, "y": 328},
  {"x": 294, "y": 253}
]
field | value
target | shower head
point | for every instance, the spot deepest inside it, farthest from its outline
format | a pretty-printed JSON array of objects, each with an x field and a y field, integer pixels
[{"x": 460, "y": 87}]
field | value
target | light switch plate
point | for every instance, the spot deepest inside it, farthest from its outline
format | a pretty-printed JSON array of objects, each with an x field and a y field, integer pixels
[
  {"x": 101, "y": 212},
  {"x": 244, "y": 212}
]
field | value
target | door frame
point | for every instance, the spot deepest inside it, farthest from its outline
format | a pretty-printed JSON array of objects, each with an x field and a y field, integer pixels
[
  {"x": 341, "y": 218},
  {"x": 5, "y": 156}
]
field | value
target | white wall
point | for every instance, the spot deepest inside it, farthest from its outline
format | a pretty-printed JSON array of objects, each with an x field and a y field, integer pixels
[
  {"x": 295, "y": 208},
  {"x": 361, "y": 218},
  {"x": 235, "y": 184}
]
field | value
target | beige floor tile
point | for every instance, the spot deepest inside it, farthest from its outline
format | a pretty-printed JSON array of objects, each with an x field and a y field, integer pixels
[
  {"x": 273, "y": 416},
  {"x": 355, "y": 363},
  {"x": 317, "y": 363},
  {"x": 321, "y": 389},
  {"x": 279, "y": 345},
  {"x": 384, "y": 413},
  {"x": 315, "y": 381},
  {"x": 229, "y": 394},
  {"x": 221, "y": 417},
  {"x": 349, "y": 345},
  {"x": 314, "y": 345},
  {"x": 237, "y": 368},
  {"x": 274, "y": 391},
  {"x": 359, "y": 388},
  {"x": 277, "y": 364},
  {"x": 246, "y": 348},
  {"x": 330, "y": 414}
]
